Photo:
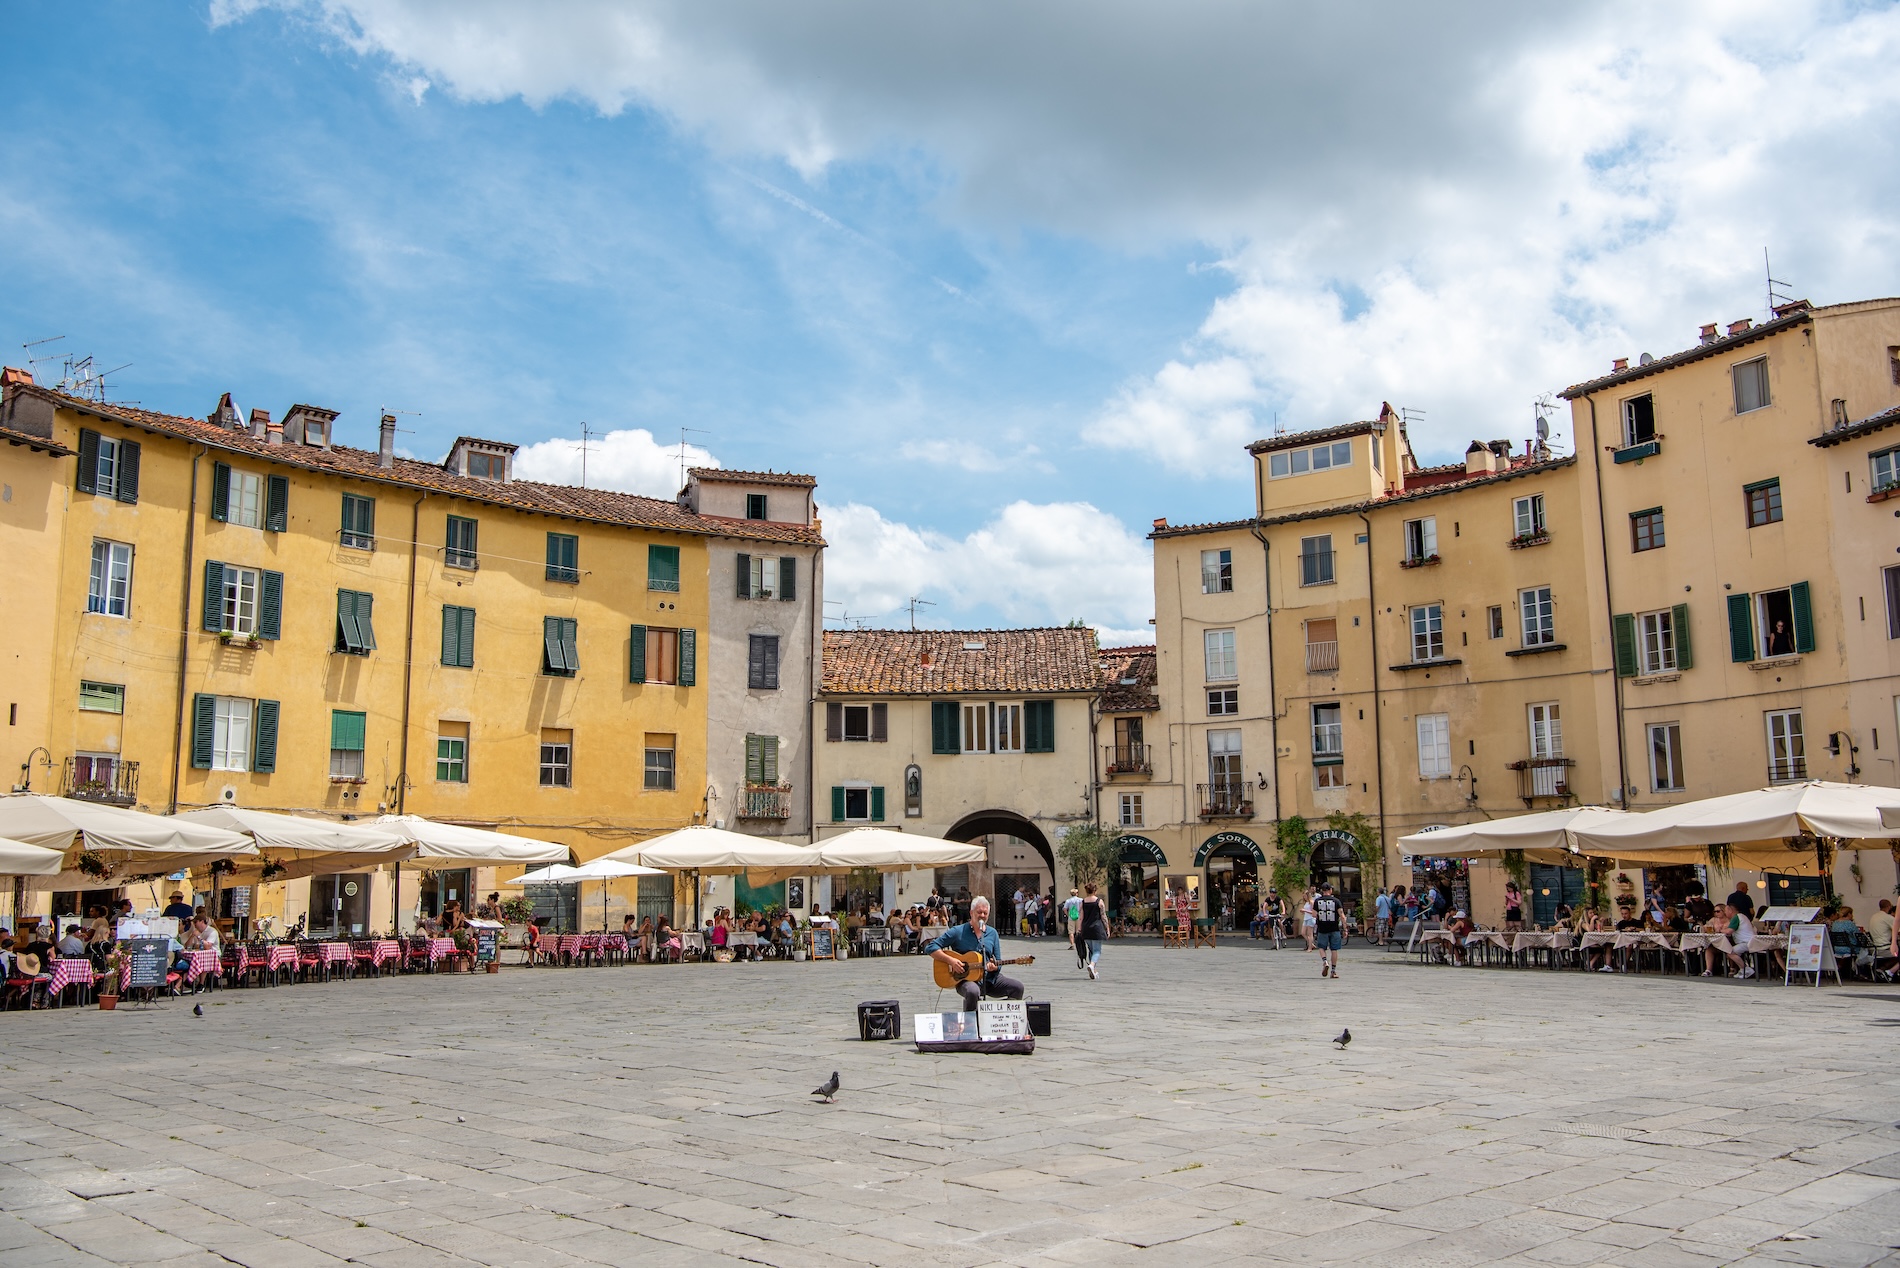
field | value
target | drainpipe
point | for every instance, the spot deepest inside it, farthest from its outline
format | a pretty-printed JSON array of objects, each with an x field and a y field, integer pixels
[
  {"x": 184, "y": 629},
  {"x": 1378, "y": 731},
  {"x": 408, "y": 654},
  {"x": 814, "y": 686},
  {"x": 1616, "y": 682},
  {"x": 1273, "y": 699}
]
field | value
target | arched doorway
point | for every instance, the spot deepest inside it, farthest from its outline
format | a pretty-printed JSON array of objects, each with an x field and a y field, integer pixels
[
  {"x": 1134, "y": 883},
  {"x": 1335, "y": 858},
  {"x": 1003, "y": 884},
  {"x": 1233, "y": 861}
]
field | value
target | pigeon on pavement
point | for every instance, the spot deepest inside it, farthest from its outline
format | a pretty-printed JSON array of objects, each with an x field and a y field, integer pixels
[
  {"x": 1345, "y": 1037},
  {"x": 197, "y": 1010},
  {"x": 828, "y": 1089}
]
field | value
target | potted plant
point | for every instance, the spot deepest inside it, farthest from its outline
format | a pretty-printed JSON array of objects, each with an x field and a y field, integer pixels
[
  {"x": 516, "y": 912},
  {"x": 272, "y": 870},
  {"x": 109, "y": 982},
  {"x": 93, "y": 865}
]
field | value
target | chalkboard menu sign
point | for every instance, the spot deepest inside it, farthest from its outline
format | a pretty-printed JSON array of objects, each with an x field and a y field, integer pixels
[
  {"x": 487, "y": 941},
  {"x": 148, "y": 959},
  {"x": 821, "y": 945}
]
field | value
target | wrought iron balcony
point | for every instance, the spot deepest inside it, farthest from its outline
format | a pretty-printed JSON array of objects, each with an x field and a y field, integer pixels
[
  {"x": 1322, "y": 658},
  {"x": 1787, "y": 770},
  {"x": 1129, "y": 759},
  {"x": 766, "y": 801},
  {"x": 1543, "y": 777},
  {"x": 1232, "y": 800},
  {"x": 114, "y": 783}
]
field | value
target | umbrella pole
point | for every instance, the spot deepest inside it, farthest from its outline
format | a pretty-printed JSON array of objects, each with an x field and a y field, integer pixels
[{"x": 395, "y": 901}]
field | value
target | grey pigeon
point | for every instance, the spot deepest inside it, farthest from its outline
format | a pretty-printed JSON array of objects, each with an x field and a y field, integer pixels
[
  {"x": 197, "y": 1010},
  {"x": 828, "y": 1089},
  {"x": 1345, "y": 1037}
]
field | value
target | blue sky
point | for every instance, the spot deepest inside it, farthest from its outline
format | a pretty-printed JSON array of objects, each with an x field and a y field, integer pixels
[{"x": 1008, "y": 294}]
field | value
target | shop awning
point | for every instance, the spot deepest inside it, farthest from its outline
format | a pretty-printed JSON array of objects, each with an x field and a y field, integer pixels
[
  {"x": 1546, "y": 837},
  {"x": 890, "y": 851},
  {"x": 1774, "y": 829},
  {"x": 714, "y": 851},
  {"x": 438, "y": 842},
  {"x": 130, "y": 842}
]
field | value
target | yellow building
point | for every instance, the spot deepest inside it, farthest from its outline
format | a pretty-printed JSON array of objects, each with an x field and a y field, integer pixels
[{"x": 247, "y": 612}]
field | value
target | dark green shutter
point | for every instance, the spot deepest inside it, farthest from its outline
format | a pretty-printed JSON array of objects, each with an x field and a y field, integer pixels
[
  {"x": 943, "y": 726},
  {"x": 571, "y": 645},
  {"x": 1803, "y": 616},
  {"x": 788, "y": 577},
  {"x": 755, "y": 759},
  {"x": 349, "y": 730},
  {"x": 214, "y": 596},
  {"x": 1679, "y": 626},
  {"x": 877, "y": 805},
  {"x": 689, "y": 658},
  {"x": 468, "y": 638},
  {"x": 220, "y": 492},
  {"x": 837, "y": 794},
  {"x": 1623, "y": 635},
  {"x": 663, "y": 568},
  {"x": 270, "y": 606},
  {"x": 88, "y": 474},
  {"x": 128, "y": 477},
  {"x": 203, "y": 730},
  {"x": 363, "y": 623},
  {"x": 264, "y": 754},
  {"x": 1741, "y": 627},
  {"x": 637, "y": 653},
  {"x": 745, "y": 576},
  {"x": 1039, "y": 726},
  {"x": 451, "y": 635},
  {"x": 277, "y": 503},
  {"x": 551, "y": 653}
]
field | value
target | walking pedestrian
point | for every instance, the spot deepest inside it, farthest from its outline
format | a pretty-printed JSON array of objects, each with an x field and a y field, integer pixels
[
  {"x": 1072, "y": 923},
  {"x": 1326, "y": 927},
  {"x": 1308, "y": 921},
  {"x": 1514, "y": 908},
  {"x": 1382, "y": 917},
  {"x": 1093, "y": 924}
]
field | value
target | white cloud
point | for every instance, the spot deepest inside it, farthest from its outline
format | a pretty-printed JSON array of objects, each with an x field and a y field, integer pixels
[
  {"x": 968, "y": 455},
  {"x": 631, "y": 461},
  {"x": 1033, "y": 564}
]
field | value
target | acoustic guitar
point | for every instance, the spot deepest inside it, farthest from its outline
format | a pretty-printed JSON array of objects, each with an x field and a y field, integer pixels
[{"x": 972, "y": 967}]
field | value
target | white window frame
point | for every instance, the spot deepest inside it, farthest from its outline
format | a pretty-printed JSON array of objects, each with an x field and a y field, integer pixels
[
  {"x": 244, "y": 504},
  {"x": 455, "y": 760},
  {"x": 1131, "y": 816},
  {"x": 1546, "y": 724},
  {"x": 1298, "y": 462},
  {"x": 109, "y": 591},
  {"x": 1228, "y": 753},
  {"x": 1629, "y": 419},
  {"x": 1434, "y": 745},
  {"x": 1756, "y": 369},
  {"x": 1656, "y": 641},
  {"x": 101, "y": 691},
  {"x": 1228, "y": 702},
  {"x": 1428, "y": 624},
  {"x": 1883, "y": 469},
  {"x": 1220, "y": 654},
  {"x": 1329, "y": 733},
  {"x": 1332, "y": 775},
  {"x": 1537, "y": 616},
  {"x": 232, "y": 723},
  {"x": 1217, "y": 572},
  {"x": 243, "y": 588},
  {"x": 1763, "y": 634},
  {"x": 1494, "y": 621},
  {"x": 555, "y": 770},
  {"x": 666, "y": 770},
  {"x": 1006, "y": 728},
  {"x": 1787, "y": 746},
  {"x": 106, "y": 474},
  {"x": 976, "y": 730},
  {"x": 1527, "y": 516},
  {"x": 1421, "y": 539},
  {"x": 1665, "y": 756},
  {"x": 1323, "y": 570},
  {"x": 346, "y": 763},
  {"x": 857, "y": 790},
  {"x": 765, "y": 576}
]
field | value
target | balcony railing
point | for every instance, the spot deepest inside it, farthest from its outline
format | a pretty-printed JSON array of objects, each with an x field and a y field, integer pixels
[
  {"x": 1322, "y": 658},
  {"x": 766, "y": 801},
  {"x": 1316, "y": 568},
  {"x": 1543, "y": 777},
  {"x": 117, "y": 786},
  {"x": 1232, "y": 800},
  {"x": 1787, "y": 770},
  {"x": 1329, "y": 739},
  {"x": 1129, "y": 759}
]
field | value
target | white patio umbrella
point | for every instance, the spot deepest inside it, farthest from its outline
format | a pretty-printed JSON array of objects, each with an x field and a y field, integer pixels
[
  {"x": 130, "y": 842},
  {"x": 17, "y": 858},
  {"x": 1546, "y": 837},
  {"x": 891, "y": 851},
  {"x": 299, "y": 845},
  {"x": 1782, "y": 826},
  {"x": 602, "y": 870},
  {"x": 705, "y": 850},
  {"x": 457, "y": 843},
  {"x": 1890, "y": 816}
]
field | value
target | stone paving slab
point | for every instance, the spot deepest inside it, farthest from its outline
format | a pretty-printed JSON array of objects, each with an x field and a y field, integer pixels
[{"x": 1189, "y": 1108}]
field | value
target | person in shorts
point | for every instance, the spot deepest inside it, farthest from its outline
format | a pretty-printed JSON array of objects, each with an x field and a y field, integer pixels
[{"x": 1328, "y": 927}]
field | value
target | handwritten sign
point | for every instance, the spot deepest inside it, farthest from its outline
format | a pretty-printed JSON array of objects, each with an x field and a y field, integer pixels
[
  {"x": 487, "y": 943},
  {"x": 822, "y": 947},
  {"x": 148, "y": 959},
  {"x": 1002, "y": 1018}
]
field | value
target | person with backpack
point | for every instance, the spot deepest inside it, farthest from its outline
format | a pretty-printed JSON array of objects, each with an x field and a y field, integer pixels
[
  {"x": 1072, "y": 922},
  {"x": 1327, "y": 928}
]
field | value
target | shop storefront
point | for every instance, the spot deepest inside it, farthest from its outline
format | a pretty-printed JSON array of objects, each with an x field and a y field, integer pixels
[
  {"x": 1551, "y": 888},
  {"x": 1134, "y": 884},
  {"x": 1452, "y": 877},
  {"x": 1335, "y": 858},
  {"x": 1233, "y": 861}
]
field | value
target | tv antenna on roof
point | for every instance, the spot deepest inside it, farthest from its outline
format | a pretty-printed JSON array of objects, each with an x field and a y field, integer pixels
[
  {"x": 697, "y": 432},
  {"x": 1409, "y": 414},
  {"x": 1776, "y": 298},
  {"x": 32, "y": 360},
  {"x": 916, "y": 603},
  {"x": 586, "y": 439},
  {"x": 1541, "y": 409}
]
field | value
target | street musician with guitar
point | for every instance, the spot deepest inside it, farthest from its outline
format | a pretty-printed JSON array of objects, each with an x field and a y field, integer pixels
[{"x": 956, "y": 953}]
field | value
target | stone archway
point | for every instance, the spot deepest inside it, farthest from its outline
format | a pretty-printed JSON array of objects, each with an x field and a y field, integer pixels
[{"x": 1005, "y": 823}]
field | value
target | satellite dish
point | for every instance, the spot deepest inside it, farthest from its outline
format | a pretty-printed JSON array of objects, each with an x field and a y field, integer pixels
[
  {"x": 1543, "y": 428},
  {"x": 1645, "y": 359}
]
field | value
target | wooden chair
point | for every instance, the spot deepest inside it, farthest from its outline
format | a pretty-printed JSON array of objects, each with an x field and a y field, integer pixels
[
  {"x": 1173, "y": 933},
  {"x": 1206, "y": 933}
]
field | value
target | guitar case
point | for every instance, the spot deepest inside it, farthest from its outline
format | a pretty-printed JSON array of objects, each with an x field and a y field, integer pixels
[{"x": 1019, "y": 1047}]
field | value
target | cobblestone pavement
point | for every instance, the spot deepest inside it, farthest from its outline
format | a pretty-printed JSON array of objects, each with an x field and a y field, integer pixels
[{"x": 1189, "y": 1109}]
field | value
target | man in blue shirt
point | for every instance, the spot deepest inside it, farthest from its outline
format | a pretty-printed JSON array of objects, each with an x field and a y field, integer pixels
[{"x": 975, "y": 936}]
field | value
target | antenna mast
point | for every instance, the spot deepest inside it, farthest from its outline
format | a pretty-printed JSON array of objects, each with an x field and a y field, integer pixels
[
  {"x": 583, "y": 447},
  {"x": 1775, "y": 298},
  {"x": 916, "y": 603},
  {"x": 682, "y": 454}
]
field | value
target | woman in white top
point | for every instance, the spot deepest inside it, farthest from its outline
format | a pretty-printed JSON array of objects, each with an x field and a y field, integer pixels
[
  {"x": 1308, "y": 922},
  {"x": 1741, "y": 932}
]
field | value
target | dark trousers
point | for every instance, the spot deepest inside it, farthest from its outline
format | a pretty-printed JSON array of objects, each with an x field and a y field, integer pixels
[{"x": 992, "y": 987}]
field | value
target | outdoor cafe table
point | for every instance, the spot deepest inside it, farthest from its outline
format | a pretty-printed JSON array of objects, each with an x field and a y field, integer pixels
[
  {"x": 73, "y": 971},
  {"x": 441, "y": 949},
  {"x": 379, "y": 952},
  {"x": 745, "y": 938},
  {"x": 280, "y": 955},
  {"x": 694, "y": 941}
]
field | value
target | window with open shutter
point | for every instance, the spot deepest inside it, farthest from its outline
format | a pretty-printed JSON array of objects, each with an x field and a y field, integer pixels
[
  {"x": 788, "y": 578},
  {"x": 880, "y": 723},
  {"x": 877, "y": 805},
  {"x": 837, "y": 804},
  {"x": 354, "y": 632},
  {"x": 220, "y": 492},
  {"x": 944, "y": 738},
  {"x": 689, "y": 658},
  {"x": 1039, "y": 726},
  {"x": 834, "y": 723},
  {"x": 264, "y": 737},
  {"x": 560, "y": 655},
  {"x": 1623, "y": 635},
  {"x": 637, "y": 653},
  {"x": 270, "y": 606},
  {"x": 1803, "y": 616},
  {"x": 277, "y": 503},
  {"x": 127, "y": 487},
  {"x": 745, "y": 576},
  {"x": 204, "y": 714},
  {"x": 1741, "y": 627},
  {"x": 1679, "y": 620},
  {"x": 214, "y": 596},
  {"x": 87, "y": 480}
]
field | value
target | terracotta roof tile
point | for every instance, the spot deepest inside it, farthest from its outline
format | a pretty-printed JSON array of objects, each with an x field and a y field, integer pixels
[
  {"x": 1867, "y": 426},
  {"x": 1294, "y": 440},
  {"x": 720, "y": 475},
  {"x": 942, "y": 662},
  {"x": 38, "y": 444},
  {"x": 1121, "y": 664},
  {"x": 604, "y": 506},
  {"x": 1714, "y": 348}
]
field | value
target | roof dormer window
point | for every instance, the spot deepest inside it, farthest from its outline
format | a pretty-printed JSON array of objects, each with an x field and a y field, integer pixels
[
  {"x": 487, "y": 466},
  {"x": 481, "y": 459}
]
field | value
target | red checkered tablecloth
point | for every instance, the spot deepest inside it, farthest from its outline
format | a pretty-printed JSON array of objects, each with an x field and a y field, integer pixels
[
  {"x": 282, "y": 955},
  {"x": 380, "y": 952},
  {"x": 441, "y": 947},
  {"x": 68, "y": 972},
  {"x": 333, "y": 952},
  {"x": 202, "y": 962}
]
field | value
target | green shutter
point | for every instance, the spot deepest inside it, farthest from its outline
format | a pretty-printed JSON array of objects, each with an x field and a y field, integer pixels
[
  {"x": 203, "y": 730},
  {"x": 1679, "y": 626},
  {"x": 128, "y": 479},
  {"x": 755, "y": 759},
  {"x": 877, "y": 805},
  {"x": 637, "y": 653},
  {"x": 943, "y": 727},
  {"x": 1623, "y": 635},
  {"x": 88, "y": 474},
  {"x": 277, "y": 503},
  {"x": 1803, "y": 616},
  {"x": 745, "y": 576},
  {"x": 264, "y": 737},
  {"x": 348, "y": 730},
  {"x": 363, "y": 623},
  {"x": 689, "y": 658},
  {"x": 220, "y": 492},
  {"x": 768, "y": 759},
  {"x": 270, "y": 606},
  {"x": 451, "y": 635},
  {"x": 837, "y": 793},
  {"x": 1039, "y": 726},
  {"x": 564, "y": 553},
  {"x": 352, "y": 617},
  {"x": 788, "y": 577},
  {"x": 552, "y": 654},
  {"x": 663, "y": 568},
  {"x": 468, "y": 638},
  {"x": 1741, "y": 628},
  {"x": 571, "y": 645},
  {"x": 214, "y": 596}
]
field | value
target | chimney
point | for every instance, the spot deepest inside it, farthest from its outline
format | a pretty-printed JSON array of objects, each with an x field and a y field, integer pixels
[
  {"x": 273, "y": 433},
  {"x": 1737, "y": 327},
  {"x": 1619, "y": 365},
  {"x": 226, "y": 415},
  {"x": 260, "y": 423},
  {"x": 1708, "y": 333},
  {"x": 386, "y": 443},
  {"x": 1479, "y": 459},
  {"x": 1161, "y": 523}
]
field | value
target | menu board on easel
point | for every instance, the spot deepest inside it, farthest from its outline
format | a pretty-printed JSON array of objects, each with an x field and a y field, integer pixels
[
  {"x": 1811, "y": 951},
  {"x": 147, "y": 958},
  {"x": 822, "y": 946}
]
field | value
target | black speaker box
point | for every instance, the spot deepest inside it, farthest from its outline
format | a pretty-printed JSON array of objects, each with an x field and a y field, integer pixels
[
  {"x": 880, "y": 1019},
  {"x": 1039, "y": 1018}
]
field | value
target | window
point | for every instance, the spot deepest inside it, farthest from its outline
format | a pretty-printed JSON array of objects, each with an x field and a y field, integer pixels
[
  {"x": 1421, "y": 540},
  {"x": 1434, "y": 745},
  {"x": 1217, "y": 571},
  {"x": 659, "y": 763},
  {"x": 1787, "y": 752},
  {"x": 108, "y": 468},
  {"x": 359, "y": 522},
  {"x": 1428, "y": 632},
  {"x": 1316, "y": 560},
  {"x": 1775, "y": 620},
  {"x": 1646, "y": 529},
  {"x": 1223, "y": 761},
  {"x": 1893, "y": 365},
  {"x": 1293, "y": 462},
  {"x": 101, "y": 697},
  {"x": 560, "y": 646},
  {"x": 451, "y": 753},
  {"x": 1840, "y": 412},
  {"x": 762, "y": 662},
  {"x": 354, "y": 633},
  {"x": 755, "y": 506},
  {"x": 1665, "y": 757},
  {"x": 1528, "y": 515},
  {"x": 110, "y": 590},
  {"x": 348, "y": 739},
  {"x": 1657, "y": 634},
  {"x": 1333, "y": 776},
  {"x": 761, "y": 760},
  {"x": 488, "y": 466},
  {"x": 1764, "y": 502},
  {"x": 1222, "y": 665},
  {"x": 1008, "y": 728},
  {"x": 1329, "y": 739},
  {"x": 1751, "y": 385},
  {"x": 1540, "y": 623},
  {"x": 1891, "y": 575},
  {"x": 557, "y": 759},
  {"x": 1772, "y": 623},
  {"x": 1547, "y": 732},
  {"x": 1639, "y": 420},
  {"x": 1886, "y": 469},
  {"x": 764, "y": 583},
  {"x": 1494, "y": 621},
  {"x": 663, "y": 568},
  {"x": 857, "y": 804},
  {"x": 662, "y": 658},
  {"x": 564, "y": 551},
  {"x": 231, "y": 734},
  {"x": 460, "y": 551},
  {"x": 240, "y": 600},
  {"x": 1322, "y": 646},
  {"x": 458, "y": 636},
  {"x": 1223, "y": 702},
  {"x": 244, "y": 504},
  {"x": 976, "y": 728},
  {"x": 1130, "y": 816}
]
